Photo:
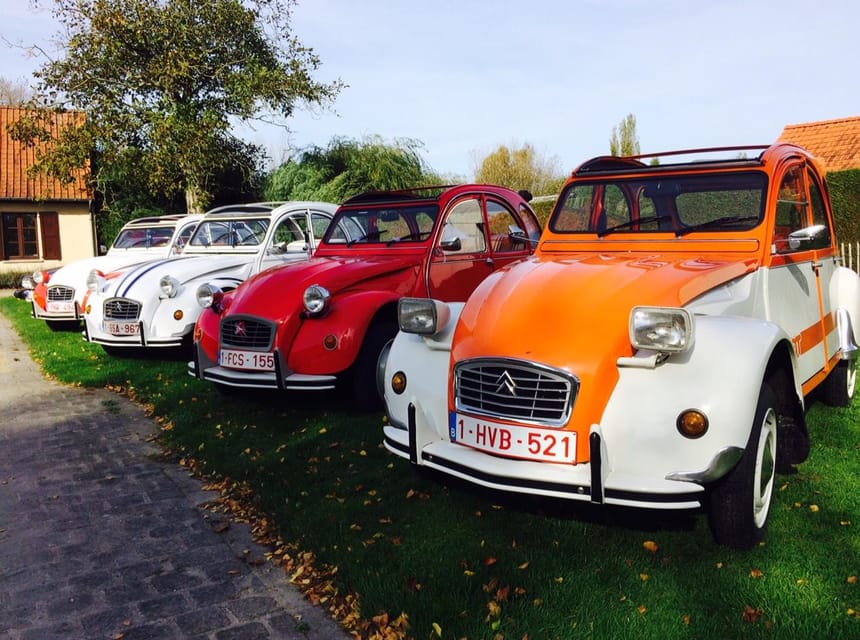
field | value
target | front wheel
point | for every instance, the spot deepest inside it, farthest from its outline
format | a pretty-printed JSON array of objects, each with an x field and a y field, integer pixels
[
  {"x": 838, "y": 387},
  {"x": 740, "y": 502},
  {"x": 365, "y": 372}
]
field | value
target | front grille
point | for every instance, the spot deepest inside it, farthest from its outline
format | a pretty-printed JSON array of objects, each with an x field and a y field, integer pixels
[
  {"x": 247, "y": 333},
  {"x": 121, "y": 309},
  {"x": 515, "y": 390},
  {"x": 60, "y": 293}
]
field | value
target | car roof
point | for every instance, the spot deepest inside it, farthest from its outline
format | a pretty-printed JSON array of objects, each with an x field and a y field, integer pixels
[
  {"x": 265, "y": 208},
  {"x": 701, "y": 159},
  {"x": 423, "y": 194},
  {"x": 149, "y": 221}
]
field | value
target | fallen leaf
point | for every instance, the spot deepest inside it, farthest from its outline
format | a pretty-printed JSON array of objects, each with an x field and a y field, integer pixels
[
  {"x": 642, "y": 608},
  {"x": 643, "y": 577},
  {"x": 489, "y": 561},
  {"x": 650, "y": 545},
  {"x": 755, "y": 573},
  {"x": 686, "y": 618},
  {"x": 437, "y": 629},
  {"x": 751, "y": 614},
  {"x": 851, "y": 580},
  {"x": 524, "y": 566},
  {"x": 813, "y": 508}
]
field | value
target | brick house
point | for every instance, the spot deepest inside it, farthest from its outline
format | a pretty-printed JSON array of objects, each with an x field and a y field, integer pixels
[
  {"x": 836, "y": 143},
  {"x": 44, "y": 222}
]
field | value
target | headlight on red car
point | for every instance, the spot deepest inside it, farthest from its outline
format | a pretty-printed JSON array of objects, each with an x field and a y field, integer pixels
[
  {"x": 316, "y": 299},
  {"x": 662, "y": 329},
  {"x": 208, "y": 295}
]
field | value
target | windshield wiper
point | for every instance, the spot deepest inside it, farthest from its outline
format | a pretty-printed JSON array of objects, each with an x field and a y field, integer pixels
[
  {"x": 631, "y": 223},
  {"x": 717, "y": 223}
]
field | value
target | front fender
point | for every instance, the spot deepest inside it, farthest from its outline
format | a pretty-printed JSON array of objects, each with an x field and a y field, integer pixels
[
  {"x": 721, "y": 377},
  {"x": 425, "y": 361},
  {"x": 348, "y": 320}
]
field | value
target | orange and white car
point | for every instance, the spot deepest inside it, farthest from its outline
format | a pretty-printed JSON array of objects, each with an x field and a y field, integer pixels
[{"x": 658, "y": 350}]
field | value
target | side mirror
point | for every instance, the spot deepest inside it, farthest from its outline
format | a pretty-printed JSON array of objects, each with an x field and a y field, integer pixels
[
  {"x": 451, "y": 245},
  {"x": 814, "y": 237}
]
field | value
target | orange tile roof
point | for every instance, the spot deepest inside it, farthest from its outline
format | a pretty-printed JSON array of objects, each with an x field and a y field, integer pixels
[
  {"x": 836, "y": 143},
  {"x": 16, "y": 158}
]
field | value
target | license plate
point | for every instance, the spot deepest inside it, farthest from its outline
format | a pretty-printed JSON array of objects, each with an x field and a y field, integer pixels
[
  {"x": 254, "y": 360},
  {"x": 60, "y": 307},
  {"x": 121, "y": 328},
  {"x": 529, "y": 443}
]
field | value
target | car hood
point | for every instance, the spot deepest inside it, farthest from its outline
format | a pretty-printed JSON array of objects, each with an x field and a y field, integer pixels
[
  {"x": 142, "y": 280},
  {"x": 572, "y": 313},
  {"x": 278, "y": 292},
  {"x": 75, "y": 273}
]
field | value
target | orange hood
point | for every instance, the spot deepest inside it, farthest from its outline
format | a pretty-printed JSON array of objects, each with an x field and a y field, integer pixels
[{"x": 572, "y": 312}]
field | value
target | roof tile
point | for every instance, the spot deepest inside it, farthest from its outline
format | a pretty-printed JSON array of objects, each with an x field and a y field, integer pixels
[{"x": 836, "y": 143}]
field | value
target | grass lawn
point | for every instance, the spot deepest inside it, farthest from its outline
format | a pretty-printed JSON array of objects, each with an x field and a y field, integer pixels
[{"x": 348, "y": 518}]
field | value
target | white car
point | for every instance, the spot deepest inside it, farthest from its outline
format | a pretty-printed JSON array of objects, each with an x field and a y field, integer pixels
[
  {"x": 57, "y": 296},
  {"x": 155, "y": 305}
]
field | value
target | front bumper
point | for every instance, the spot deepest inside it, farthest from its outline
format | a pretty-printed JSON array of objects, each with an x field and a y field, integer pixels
[
  {"x": 589, "y": 482},
  {"x": 281, "y": 379}
]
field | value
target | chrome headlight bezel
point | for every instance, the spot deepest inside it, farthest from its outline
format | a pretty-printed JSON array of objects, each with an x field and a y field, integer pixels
[
  {"x": 169, "y": 286},
  {"x": 28, "y": 282},
  {"x": 316, "y": 299},
  {"x": 422, "y": 316},
  {"x": 38, "y": 277},
  {"x": 661, "y": 329},
  {"x": 208, "y": 295}
]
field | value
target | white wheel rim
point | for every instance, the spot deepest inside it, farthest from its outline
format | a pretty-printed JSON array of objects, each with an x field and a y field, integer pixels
[{"x": 765, "y": 469}]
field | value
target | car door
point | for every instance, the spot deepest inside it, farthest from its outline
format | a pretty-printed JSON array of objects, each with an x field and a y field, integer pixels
[
  {"x": 472, "y": 243},
  {"x": 794, "y": 292},
  {"x": 294, "y": 237}
]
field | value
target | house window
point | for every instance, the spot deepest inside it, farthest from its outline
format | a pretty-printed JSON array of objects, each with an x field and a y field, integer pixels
[{"x": 20, "y": 236}]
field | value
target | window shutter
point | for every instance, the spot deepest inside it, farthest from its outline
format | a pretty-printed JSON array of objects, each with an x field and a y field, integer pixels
[{"x": 51, "y": 236}]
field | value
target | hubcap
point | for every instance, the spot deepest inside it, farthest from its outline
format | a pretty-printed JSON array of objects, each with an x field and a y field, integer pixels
[{"x": 765, "y": 469}]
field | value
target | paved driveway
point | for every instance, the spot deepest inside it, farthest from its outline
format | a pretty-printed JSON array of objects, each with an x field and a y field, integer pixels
[{"x": 101, "y": 539}]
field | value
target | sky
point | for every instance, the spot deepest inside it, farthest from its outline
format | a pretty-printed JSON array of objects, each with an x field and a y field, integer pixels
[{"x": 464, "y": 77}]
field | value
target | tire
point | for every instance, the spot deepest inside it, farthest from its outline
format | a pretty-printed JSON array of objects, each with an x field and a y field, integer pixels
[
  {"x": 740, "y": 502},
  {"x": 838, "y": 387},
  {"x": 365, "y": 391}
]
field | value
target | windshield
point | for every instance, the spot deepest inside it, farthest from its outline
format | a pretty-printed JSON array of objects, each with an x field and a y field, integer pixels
[
  {"x": 678, "y": 204},
  {"x": 144, "y": 238},
  {"x": 248, "y": 232},
  {"x": 388, "y": 225}
]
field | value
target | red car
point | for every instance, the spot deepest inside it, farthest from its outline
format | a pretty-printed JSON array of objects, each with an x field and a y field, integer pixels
[{"x": 310, "y": 325}]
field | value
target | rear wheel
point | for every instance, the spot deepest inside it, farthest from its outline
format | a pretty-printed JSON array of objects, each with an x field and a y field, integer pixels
[
  {"x": 365, "y": 372},
  {"x": 740, "y": 502},
  {"x": 838, "y": 388}
]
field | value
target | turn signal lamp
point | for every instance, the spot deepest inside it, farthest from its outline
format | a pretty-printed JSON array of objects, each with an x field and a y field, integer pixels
[
  {"x": 692, "y": 423},
  {"x": 398, "y": 382}
]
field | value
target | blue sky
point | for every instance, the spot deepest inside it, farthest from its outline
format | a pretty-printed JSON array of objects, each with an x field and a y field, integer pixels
[{"x": 465, "y": 77}]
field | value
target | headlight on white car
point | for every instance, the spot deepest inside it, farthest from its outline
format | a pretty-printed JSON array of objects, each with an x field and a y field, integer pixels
[
  {"x": 664, "y": 329},
  {"x": 208, "y": 295},
  {"x": 316, "y": 299},
  {"x": 170, "y": 286},
  {"x": 422, "y": 315},
  {"x": 95, "y": 280},
  {"x": 27, "y": 282},
  {"x": 38, "y": 276}
]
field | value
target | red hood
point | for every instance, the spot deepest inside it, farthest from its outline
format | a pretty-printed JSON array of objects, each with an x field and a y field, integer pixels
[{"x": 277, "y": 292}]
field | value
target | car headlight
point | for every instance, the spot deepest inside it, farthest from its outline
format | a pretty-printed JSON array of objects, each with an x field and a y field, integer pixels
[
  {"x": 169, "y": 286},
  {"x": 316, "y": 299},
  {"x": 28, "y": 282},
  {"x": 665, "y": 329},
  {"x": 95, "y": 279},
  {"x": 208, "y": 295},
  {"x": 422, "y": 315},
  {"x": 38, "y": 276}
]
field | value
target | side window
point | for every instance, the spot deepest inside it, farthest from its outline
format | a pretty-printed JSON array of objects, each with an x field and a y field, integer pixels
[
  {"x": 319, "y": 223},
  {"x": 463, "y": 230},
  {"x": 615, "y": 206},
  {"x": 790, "y": 209},
  {"x": 819, "y": 211},
  {"x": 184, "y": 235},
  {"x": 574, "y": 213},
  {"x": 501, "y": 221},
  {"x": 290, "y": 235}
]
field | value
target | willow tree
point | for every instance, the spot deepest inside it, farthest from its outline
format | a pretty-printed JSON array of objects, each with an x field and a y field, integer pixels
[{"x": 164, "y": 81}]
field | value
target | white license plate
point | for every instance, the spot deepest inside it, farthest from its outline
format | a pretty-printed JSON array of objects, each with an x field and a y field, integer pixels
[
  {"x": 121, "y": 328},
  {"x": 60, "y": 307},
  {"x": 254, "y": 360},
  {"x": 529, "y": 443}
]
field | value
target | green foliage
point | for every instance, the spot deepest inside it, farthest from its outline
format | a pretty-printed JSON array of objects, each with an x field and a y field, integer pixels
[
  {"x": 844, "y": 187},
  {"x": 12, "y": 279},
  {"x": 168, "y": 79},
  {"x": 484, "y": 565},
  {"x": 521, "y": 168},
  {"x": 625, "y": 140},
  {"x": 348, "y": 167}
]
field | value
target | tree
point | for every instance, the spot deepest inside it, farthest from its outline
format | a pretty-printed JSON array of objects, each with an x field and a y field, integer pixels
[
  {"x": 166, "y": 78},
  {"x": 14, "y": 93},
  {"x": 348, "y": 167},
  {"x": 625, "y": 140},
  {"x": 520, "y": 168}
]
